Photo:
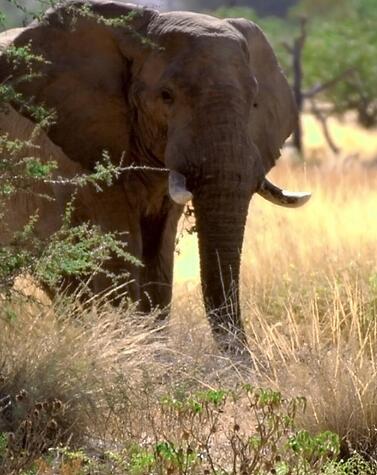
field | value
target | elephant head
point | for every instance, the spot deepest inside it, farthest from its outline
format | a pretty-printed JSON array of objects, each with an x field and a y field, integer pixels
[{"x": 204, "y": 98}]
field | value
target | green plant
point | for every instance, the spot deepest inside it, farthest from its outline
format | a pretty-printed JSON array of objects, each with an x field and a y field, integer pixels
[
  {"x": 186, "y": 430},
  {"x": 266, "y": 439},
  {"x": 355, "y": 465},
  {"x": 79, "y": 252}
]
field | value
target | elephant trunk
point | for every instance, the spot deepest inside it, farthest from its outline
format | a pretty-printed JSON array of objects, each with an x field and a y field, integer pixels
[
  {"x": 221, "y": 204},
  {"x": 220, "y": 232},
  {"x": 221, "y": 169}
]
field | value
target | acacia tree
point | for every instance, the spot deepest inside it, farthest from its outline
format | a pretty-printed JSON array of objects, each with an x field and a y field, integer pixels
[
  {"x": 296, "y": 49},
  {"x": 333, "y": 60},
  {"x": 336, "y": 45},
  {"x": 329, "y": 52}
]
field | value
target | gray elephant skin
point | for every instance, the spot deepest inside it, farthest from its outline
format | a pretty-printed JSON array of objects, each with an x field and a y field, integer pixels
[{"x": 199, "y": 96}]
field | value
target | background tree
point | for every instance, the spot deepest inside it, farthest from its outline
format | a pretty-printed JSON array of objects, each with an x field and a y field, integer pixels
[
  {"x": 328, "y": 49},
  {"x": 337, "y": 43}
]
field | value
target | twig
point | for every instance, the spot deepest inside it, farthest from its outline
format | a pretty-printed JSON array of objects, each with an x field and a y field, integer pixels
[{"x": 328, "y": 84}]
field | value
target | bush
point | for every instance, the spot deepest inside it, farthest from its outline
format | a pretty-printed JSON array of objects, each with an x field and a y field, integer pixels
[
  {"x": 26, "y": 173},
  {"x": 183, "y": 434}
]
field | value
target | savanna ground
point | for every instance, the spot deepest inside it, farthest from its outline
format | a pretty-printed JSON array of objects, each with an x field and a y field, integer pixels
[{"x": 137, "y": 401}]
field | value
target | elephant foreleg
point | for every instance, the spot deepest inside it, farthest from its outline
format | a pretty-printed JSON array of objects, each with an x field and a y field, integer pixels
[
  {"x": 110, "y": 210},
  {"x": 158, "y": 237}
]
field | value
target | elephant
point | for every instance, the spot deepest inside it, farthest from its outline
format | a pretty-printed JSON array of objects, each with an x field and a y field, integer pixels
[{"x": 196, "y": 107}]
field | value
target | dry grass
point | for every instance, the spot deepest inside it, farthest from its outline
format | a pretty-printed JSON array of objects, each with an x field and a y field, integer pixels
[
  {"x": 72, "y": 355},
  {"x": 354, "y": 141},
  {"x": 309, "y": 292},
  {"x": 309, "y": 297}
]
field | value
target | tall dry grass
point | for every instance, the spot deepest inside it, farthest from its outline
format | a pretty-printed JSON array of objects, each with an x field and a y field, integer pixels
[
  {"x": 309, "y": 300},
  {"x": 309, "y": 297},
  {"x": 64, "y": 354}
]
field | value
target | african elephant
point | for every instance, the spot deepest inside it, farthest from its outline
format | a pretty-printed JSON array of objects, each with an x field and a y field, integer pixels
[{"x": 201, "y": 97}]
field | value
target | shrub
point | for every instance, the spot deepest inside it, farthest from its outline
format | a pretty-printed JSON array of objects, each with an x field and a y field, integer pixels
[
  {"x": 73, "y": 251},
  {"x": 185, "y": 430}
]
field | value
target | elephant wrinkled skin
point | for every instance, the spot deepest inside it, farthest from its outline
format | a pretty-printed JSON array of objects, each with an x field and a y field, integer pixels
[{"x": 203, "y": 97}]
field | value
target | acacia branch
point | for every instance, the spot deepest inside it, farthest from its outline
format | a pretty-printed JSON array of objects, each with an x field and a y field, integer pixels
[{"x": 328, "y": 84}]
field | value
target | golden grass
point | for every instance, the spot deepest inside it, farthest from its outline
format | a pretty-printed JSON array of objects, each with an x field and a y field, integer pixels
[
  {"x": 310, "y": 279},
  {"x": 309, "y": 300},
  {"x": 309, "y": 296},
  {"x": 338, "y": 227},
  {"x": 353, "y": 140}
]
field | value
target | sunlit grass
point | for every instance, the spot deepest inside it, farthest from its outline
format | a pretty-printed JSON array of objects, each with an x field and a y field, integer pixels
[
  {"x": 309, "y": 302},
  {"x": 336, "y": 228},
  {"x": 309, "y": 296},
  {"x": 352, "y": 140}
]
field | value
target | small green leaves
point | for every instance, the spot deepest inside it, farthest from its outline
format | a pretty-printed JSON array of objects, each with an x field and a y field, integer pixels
[
  {"x": 23, "y": 55},
  {"x": 79, "y": 251},
  {"x": 36, "y": 169},
  {"x": 214, "y": 397},
  {"x": 3, "y": 443},
  {"x": 265, "y": 440},
  {"x": 268, "y": 397}
]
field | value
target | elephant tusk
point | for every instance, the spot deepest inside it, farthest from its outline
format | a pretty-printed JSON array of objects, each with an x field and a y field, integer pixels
[
  {"x": 289, "y": 199},
  {"x": 177, "y": 188}
]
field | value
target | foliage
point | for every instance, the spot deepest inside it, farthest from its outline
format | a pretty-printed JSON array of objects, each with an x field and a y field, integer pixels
[
  {"x": 356, "y": 464},
  {"x": 73, "y": 251},
  {"x": 186, "y": 427},
  {"x": 348, "y": 42},
  {"x": 80, "y": 251}
]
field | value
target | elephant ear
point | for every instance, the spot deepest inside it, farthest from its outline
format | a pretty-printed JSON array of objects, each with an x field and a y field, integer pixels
[
  {"x": 89, "y": 50},
  {"x": 274, "y": 114}
]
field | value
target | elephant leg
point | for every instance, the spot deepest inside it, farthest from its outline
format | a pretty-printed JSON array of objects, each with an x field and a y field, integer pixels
[
  {"x": 110, "y": 210},
  {"x": 158, "y": 237}
]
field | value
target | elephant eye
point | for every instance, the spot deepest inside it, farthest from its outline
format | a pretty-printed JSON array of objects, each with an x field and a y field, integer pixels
[{"x": 167, "y": 96}]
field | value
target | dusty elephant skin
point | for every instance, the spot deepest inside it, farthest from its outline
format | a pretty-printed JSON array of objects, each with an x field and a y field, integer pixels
[{"x": 202, "y": 97}]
